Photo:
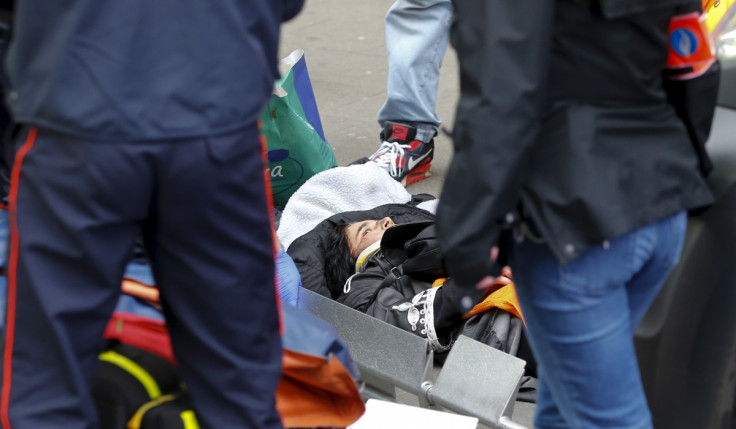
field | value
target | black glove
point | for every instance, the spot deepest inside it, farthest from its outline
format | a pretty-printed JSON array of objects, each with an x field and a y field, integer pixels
[{"x": 460, "y": 298}]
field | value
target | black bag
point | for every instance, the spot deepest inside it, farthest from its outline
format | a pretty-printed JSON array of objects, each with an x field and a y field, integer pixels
[
  {"x": 174, "y": 411},
  {"x": 128, "y": 377}
]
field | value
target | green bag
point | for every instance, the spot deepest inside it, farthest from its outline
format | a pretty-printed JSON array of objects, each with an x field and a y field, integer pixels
[{"x": 297, "y": 148}]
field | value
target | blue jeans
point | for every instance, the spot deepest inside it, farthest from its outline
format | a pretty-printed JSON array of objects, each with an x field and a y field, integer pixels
[
  {"x": 581, "y": 319},
  {"x": 417, "y": 33}
]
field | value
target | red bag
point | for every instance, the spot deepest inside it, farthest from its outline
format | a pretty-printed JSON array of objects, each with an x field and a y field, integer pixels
[{"x": 319, "y": 386}]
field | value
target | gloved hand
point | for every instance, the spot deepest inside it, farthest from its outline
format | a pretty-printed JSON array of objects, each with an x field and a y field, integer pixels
[
  {"x": 466, "y": 297},
  {"x": 462, "y": 298},
  {"x": 288, "y": 278}
]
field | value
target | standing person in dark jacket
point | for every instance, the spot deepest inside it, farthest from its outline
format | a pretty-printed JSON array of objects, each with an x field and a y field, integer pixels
[
  {"x": 141, "y": 116},
  {"x": 563, "y": 112}
]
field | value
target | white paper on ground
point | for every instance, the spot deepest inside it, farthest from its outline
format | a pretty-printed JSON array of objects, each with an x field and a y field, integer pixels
[{"x": 390, "y": 415}]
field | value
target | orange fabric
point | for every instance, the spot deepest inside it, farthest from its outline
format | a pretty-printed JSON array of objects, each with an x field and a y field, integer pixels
[
  {"x": 317, "y": 392},
  {"x": 503, "y": 298},
  {"x": 691, "y": 45},
  {"x": 439, "y": 282},
  {"x": 501, "y": 294},
  {"x": 140, "y": 290}
]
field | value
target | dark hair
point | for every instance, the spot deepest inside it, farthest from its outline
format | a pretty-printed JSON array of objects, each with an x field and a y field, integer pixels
[{"x": 339, "y": 263}]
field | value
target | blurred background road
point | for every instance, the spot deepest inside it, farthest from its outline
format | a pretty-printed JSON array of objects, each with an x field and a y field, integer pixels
[{"x": 345, "y": 49}]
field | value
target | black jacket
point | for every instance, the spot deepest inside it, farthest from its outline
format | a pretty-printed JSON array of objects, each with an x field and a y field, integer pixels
[
  {"x": 308, "y": 251},
  {"x": 394, "y": 283},
  {"x": 563, "y": 110},
  {"x": 387, "y": 289}
]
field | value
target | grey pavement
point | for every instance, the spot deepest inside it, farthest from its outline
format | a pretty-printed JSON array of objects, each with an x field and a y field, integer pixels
[{"x": 345, "y": 50}]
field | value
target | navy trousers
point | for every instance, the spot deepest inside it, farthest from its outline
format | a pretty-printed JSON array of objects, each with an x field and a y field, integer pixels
[{"x": 77, "y": 207}]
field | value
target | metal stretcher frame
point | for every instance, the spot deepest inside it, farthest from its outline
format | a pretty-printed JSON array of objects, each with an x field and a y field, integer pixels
[{"x": 475, "y": 380}]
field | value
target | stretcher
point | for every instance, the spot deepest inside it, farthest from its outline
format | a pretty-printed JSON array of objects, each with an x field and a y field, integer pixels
[{"x": 475, "y": 380}]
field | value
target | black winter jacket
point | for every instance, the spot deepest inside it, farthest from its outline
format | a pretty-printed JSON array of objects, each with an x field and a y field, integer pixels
[
  {"x": 385, "y": 288},
  {"x": 563, "y": 109},
  {"x": 388, "y": 289},
  {"x": 308, "y": 251}
]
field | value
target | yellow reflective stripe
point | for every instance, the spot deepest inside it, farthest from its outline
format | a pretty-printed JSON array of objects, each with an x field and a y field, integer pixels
[
  {"x": 135, "y": 421},
  {"x": 135, "y": 370},
  {"x": 189, "y": 419}
]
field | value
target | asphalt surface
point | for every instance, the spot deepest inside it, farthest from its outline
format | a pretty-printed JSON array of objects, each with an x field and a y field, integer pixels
[{"x": 345, "y": 50}]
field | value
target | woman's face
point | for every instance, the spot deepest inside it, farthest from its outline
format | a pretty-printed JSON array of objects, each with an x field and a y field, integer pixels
[{"x": 362, "y": 234}]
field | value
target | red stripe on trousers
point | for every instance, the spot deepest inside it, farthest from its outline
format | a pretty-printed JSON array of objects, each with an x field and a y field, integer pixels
[
  {"x": 269, "y": 197},
  {"x": 12, "y": 274}
]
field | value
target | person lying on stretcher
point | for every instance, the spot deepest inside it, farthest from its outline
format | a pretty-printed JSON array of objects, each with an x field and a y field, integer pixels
[{"x": 385, "y": 262}]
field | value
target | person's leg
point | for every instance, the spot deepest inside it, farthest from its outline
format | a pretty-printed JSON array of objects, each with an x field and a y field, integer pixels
[
  {"x": 417, "y": 33},
  {"x": 75, "y": 211},
  {"x": 645, "y": 285},
  {"x": 212, "y": 256},
  {"x": 580, "y": 319},
  {"x": 546, "y": 410}
]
